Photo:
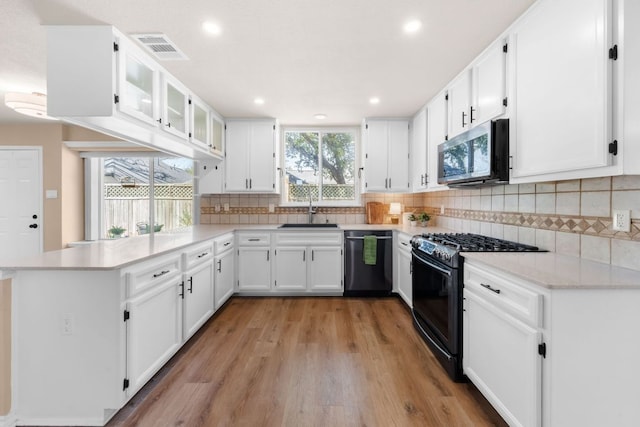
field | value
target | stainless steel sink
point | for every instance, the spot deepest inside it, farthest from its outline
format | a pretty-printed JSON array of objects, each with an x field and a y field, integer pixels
[{"x": 309, "y": 226}]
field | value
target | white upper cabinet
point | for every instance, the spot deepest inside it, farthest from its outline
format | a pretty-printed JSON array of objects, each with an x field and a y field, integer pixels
[
  {"x": 419, "y": 165},
  {"x": 386, "y": 155},
  {"x": 561, "y": 124},
  {"x": 199, "y": 127},
  {"x": 175, "y": 107},
  {"x": 217, "y": 134},
  {"x": 460, "y": 104},
  {"x": 250, "y": 161},
  {"x": 436, "y": 135},
  {"x": 99, "y": 79},
  {"x": 489, "y": 99},
  {"x": 137, "y": 85}
]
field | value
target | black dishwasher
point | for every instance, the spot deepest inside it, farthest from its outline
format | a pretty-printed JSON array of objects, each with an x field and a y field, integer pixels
[{"x": 374, "y": 278}]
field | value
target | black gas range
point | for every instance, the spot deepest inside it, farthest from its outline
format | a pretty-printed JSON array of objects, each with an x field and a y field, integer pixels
[{"x": 437, "y": 282}]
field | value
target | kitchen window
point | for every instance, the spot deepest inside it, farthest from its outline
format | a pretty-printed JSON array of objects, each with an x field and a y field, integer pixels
[
  {"x": 130, "y": 196},
  {"x": 320, "y": 164}
]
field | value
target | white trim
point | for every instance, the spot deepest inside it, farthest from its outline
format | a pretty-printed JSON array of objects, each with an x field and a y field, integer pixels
[{"x": 356, "y": 131}]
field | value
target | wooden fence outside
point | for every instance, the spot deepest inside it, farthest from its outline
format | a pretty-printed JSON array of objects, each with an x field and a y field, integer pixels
[{"x": 128, "y": 209}]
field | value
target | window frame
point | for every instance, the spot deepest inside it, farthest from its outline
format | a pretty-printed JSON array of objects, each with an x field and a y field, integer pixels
[
  {"x": 94, "y": 189},
  {"x": 321, "y": 130}
]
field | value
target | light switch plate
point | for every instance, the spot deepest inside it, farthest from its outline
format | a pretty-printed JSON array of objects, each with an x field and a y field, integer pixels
[
  {"x": 226, "y": 207},
  {"x": 272, "y": 208},
  {"x": 217, "y": 207},
  {"x": 51, "y": 194},
  {"x": 622, "y": 220}
]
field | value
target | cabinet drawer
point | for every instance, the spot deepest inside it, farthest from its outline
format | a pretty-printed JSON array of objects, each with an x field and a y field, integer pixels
[
  {"x": 254, "y": 239},
  {"x": 505, "y": 294},
  {"x": 147, "y": 274},
  {"x": 404, "y": 242},
  {"x": 321, "y": 238},
  {"x": 223, "y": 243},
  {"x": 198, "y": 254}
]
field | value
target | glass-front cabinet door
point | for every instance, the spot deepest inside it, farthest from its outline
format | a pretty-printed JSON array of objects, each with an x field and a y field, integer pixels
[
  {"x": 175, "y": 107},
  {"x": 137, "y": 85},
  {"x": 217, "y": 135},
  {"x": 199, "y": 129}
]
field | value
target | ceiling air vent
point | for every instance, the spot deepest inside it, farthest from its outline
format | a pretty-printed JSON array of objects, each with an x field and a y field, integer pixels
[{"x": 160, "y": 46}]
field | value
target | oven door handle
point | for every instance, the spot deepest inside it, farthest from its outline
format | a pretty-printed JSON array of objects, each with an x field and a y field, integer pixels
[
  {"x": 425, "y": 334},
  {"x": 440, "y": 269}
]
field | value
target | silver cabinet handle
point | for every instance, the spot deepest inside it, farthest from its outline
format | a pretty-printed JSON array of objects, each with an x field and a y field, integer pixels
[
  {"x": 203, "y": 254},
  {"x": 219, "y": 266}
]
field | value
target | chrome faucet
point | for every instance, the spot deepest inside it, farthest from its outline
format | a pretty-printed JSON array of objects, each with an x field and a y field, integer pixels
[{"x": 312, "y": 210}]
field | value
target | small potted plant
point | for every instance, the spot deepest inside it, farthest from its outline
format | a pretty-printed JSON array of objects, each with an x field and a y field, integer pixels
[
  {"x": 413, "y": 220},
  {"x": 424, "y": 218},
  {"x": 116, "y": 232}
]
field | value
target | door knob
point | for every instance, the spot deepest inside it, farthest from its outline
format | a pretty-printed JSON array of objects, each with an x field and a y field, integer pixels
[
  {"x": 35, "y": 217},
  {"x": 33, "y": 226}
]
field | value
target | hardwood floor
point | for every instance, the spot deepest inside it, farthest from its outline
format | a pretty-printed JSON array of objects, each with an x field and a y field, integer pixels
[{"x": 306, "y": 362}]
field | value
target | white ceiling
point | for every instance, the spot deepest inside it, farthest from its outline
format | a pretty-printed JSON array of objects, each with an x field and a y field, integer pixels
[{"x": 301, "y": 56}]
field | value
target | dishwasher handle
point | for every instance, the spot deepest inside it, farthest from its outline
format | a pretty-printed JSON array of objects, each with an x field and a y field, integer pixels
[{"x": 377, "y": 238}]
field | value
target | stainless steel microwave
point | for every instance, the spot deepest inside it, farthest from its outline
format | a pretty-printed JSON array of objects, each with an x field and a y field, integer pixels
[{"x": 477, "y": 157}]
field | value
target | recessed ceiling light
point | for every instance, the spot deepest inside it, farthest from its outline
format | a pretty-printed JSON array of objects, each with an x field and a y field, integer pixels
[
  {"x": 412, "y": 26},
  {"x": 320, "y": 116},
  {"x": 211, "y": 28},
  {"x": 375, "y": 100},
  {"x": 258, "y": 101}
]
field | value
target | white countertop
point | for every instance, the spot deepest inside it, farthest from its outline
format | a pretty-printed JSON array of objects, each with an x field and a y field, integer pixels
[
  {"x": 118, "y": 253},
  {"x": 555, "y": 271}
]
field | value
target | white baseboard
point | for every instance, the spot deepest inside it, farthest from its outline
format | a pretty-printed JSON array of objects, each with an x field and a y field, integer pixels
[{"x": 8, "y": 421}]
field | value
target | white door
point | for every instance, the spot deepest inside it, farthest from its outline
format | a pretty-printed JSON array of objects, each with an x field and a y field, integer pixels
[
  {"x": 562, "y": 91},
  {"x": 419, "y": 151},
  {"x": 398, "y": 169},
  {"x": 254, "y": 268},
  {"x": 325, "y": 270},
  {"x": 291, "y": 268},
  {"x": 198, "y": 298},
  {"x": 489, "y": 85},
  {"x": 376, "y": 150},
  {"x": 459, "y": 104},
  {"x": 262, "y": 168},
  {"x": 224, "y": 277},
  {"x": 21, "y": 207},
  {"x": 436, "y": 135},
  {"x": 236, "y": 159}
]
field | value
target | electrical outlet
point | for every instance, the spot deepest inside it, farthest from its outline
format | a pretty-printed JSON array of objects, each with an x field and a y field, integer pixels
[
  {"x": 272, "y": 208},
  {"x": 441, "y": 209},
  {"x": 217, "y": 207},
  {"x": 226, "y": 207},
  {"x": 67, "y": 324},
  {"x": 622, "y": 220}
]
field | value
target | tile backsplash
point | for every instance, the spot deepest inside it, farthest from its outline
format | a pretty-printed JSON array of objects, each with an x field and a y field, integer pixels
[{"x": 568, "y": 217}]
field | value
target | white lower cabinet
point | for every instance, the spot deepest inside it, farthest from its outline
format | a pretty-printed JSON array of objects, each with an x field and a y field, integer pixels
[
  {"x": 154, "y": 331},
  {"x": 290, "y": 268},
  {"x": 403, "y": 268},
  {"x": 501, "y": 358},
  {"x": 224, "y": 269},
  {"x": 308, "y": 261},
  {"x": 198, "y": 297},
  {"x": 254, "y": 261},
  {"x": 553, "y": 356},
  {"x": 325, "y": 269}
]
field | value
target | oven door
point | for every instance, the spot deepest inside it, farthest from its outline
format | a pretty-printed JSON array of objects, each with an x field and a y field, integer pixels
[{"x": 437, "y": 304}]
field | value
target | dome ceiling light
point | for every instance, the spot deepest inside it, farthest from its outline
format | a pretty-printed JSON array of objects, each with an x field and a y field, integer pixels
[{"x": 30, "y": 104}]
